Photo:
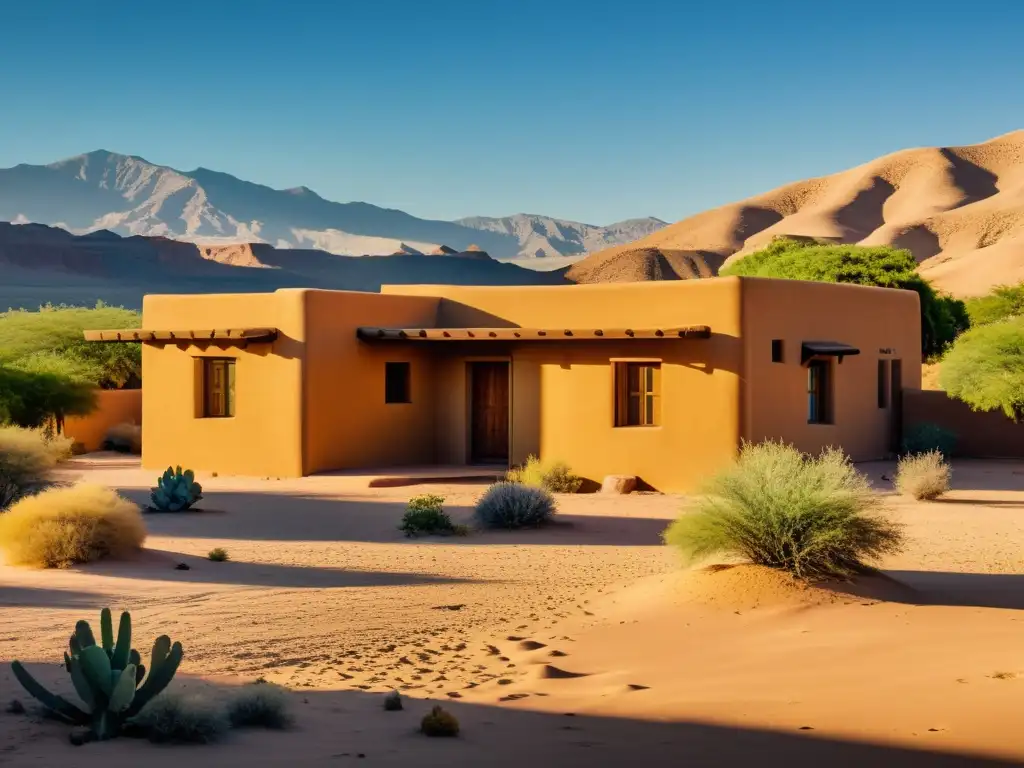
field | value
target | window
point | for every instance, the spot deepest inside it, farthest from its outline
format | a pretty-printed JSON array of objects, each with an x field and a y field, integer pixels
[
  {"x": 218, "y": 387},
  {"x": 397, "y": 387},
  {"x": 818, "y": 405},
  {"x": 637, "y": 394},
  {"x": 776, "y": 350},
  {"x": 883, "y": 383}
]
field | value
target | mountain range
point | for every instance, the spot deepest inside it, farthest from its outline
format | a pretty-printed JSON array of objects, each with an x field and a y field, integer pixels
[
  {"x": 959, "y": 210},
  {"x": 128, "y": 195}
]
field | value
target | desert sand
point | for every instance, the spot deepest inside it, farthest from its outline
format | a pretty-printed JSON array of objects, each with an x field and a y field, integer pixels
[
  {"x": 960, "y": 210},
  {"x": 578, "y": 645}
]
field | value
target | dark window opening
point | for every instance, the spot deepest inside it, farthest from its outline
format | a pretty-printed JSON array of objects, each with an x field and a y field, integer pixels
[
  {"x": 883, "y": 383},
  {"x": 776, "y": 350},
  {"x": 397, "y": 387},
  {"x": 819, "y": 392},
  {"x": 637, "y": 394},
  {"x": 218, "y": 387}
]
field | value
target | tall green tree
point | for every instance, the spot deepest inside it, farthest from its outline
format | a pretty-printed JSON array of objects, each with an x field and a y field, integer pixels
[
  {"x": 1003, "y": 302},
  {"x": 943, "y": 317},
  {"x": 985, "y": 368}
]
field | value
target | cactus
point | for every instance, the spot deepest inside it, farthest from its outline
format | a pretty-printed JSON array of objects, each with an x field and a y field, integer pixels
[
  {"x": 109, "y": 678},
  {"x": 176, "y": 491}
]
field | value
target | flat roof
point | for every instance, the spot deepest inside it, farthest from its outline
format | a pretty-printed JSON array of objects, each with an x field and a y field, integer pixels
[{"x": 529, "y": 334}]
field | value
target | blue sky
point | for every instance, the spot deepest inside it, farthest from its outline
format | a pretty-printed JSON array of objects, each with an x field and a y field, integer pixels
[{"x": 583, "y": 110}]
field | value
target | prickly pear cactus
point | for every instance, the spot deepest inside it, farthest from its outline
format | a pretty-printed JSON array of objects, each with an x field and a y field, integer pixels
[
  {"x": 109, "y": 678},
  {"x": 175, "y": 490}
]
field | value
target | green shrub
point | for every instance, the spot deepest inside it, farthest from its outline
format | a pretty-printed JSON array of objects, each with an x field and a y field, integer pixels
[
  {"x": 218, "y": 555},
  {"x": 814, "y": 516},
  {"x": 985, "y": 368},
  {"x": 923, "y": 475},
  {"x": 1005, "y": 301},
  {"x": 123, "y": 438},
  {"x": 513, "y": 505},
  {"x": 439, "y": 722},
  {"x": 260, "y": 705},
  {"x": 926, "y": 437},
  {"x": 393, "y": 702},
  {"x": 27, "y": 459},
  {"x": 61, "y": 527},
  {"x": 556, "y": 477},
  {"x": 35, "y": 398},
  {"x": 176, "y": 491},
  {"x": 943, "y": 318},
  {"x": 425, "y": 515},
  {"x": 177, "y": 719}
]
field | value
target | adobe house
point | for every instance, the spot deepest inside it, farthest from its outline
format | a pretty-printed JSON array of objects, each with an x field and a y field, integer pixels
[{"x": 659, "y": 379}]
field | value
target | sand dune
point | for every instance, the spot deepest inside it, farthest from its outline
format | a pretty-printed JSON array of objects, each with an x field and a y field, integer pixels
[{"x": 960, "y": 210}]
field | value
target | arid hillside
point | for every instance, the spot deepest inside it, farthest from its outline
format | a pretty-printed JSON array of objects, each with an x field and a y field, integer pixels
[{"x": 960, "y": 210}]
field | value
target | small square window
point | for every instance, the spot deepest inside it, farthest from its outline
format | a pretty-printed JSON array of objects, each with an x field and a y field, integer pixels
[
  {"x": 776, "y": 350},
  {"x": 397, "y": 380},
  {"x": 218, "y": 387},
  {"x": 637, "y": 394}
]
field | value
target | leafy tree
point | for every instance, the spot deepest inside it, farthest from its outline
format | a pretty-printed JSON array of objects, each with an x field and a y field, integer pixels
[
  {"x": 985, "y": 368},
  {"x": 1005, "y": 301},
  {"x": 50, "y": 341},
  {"x": 943, "y": 318},
  {"x": 32, "y": 399}
]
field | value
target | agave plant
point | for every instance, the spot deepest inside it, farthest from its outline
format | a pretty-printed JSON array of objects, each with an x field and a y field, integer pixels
[
  {"x": 109, "y": 678},
  {"x": 175, "y": 490}
]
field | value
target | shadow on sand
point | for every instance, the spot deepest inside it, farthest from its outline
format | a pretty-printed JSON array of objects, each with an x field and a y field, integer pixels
[
  {"x": 40, "y": 597},
  {"x": 350, "y": 727}
]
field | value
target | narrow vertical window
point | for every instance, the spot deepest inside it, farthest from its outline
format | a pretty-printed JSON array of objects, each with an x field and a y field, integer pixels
[
  {"x": 818, "y": 392},
  {"x": 883, "y": 383},
  {"x": 397, "y": 383},
  {"x": 218, "y": 387},
  {"x": 776, "y": 350},
  {"x": 638, "y": 394}
]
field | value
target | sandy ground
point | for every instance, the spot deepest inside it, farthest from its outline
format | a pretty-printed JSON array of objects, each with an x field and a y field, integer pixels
[{"x": 582, "y": 644}]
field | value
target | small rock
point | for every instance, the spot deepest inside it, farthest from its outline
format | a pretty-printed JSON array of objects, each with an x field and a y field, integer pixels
[
  {"x": 15, "y": 708},
  {"x": 182, "y": 567},
  {"x": 619, "y": 484}
]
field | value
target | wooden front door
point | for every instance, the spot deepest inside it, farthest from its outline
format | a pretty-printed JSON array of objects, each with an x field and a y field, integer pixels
[{"x": 488, "y": 412}]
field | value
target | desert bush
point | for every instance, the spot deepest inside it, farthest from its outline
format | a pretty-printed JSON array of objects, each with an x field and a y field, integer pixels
[
  {"x": 27, "y": 458},
  {"x": 514, "y": 505},
  {"x": 61, "y": 527},
  {"x": 177, "y": 719},
  {"x": 393, "y": 702},
  {"x": 943, "y": 318},
  {"x": 926, "y": 437},
  {"x": 985, "y": 368},
  {"x": 814, "y": 516},
  {"x": 556, "y": 476},
  {"x": 1005, "y": 301},
  {"x": 260, "y": 705},
  {"x": 439, "y": 722},
  {"x": 923, "y": 475},
  {"x": 425, "y": 515},
  {"x": 218, "y": 555},
  {"x": 123, "y": 438}
]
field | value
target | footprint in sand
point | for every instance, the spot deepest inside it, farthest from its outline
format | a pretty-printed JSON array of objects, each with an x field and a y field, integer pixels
[
  {"x": 514, "y": 697},
  {"x": 551, "y": 672},
  {"x": 636, "y": 687},
  {"x": 558, "y": 654},
  {"x": 530, "y": 645}
]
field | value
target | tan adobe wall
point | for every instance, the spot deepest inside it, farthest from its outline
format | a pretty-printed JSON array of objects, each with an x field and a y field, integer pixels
[
  {"x": 113, "y": 406},
  {"x": 871, "y": 319},
  {"x": 979, "y": 434},
  {"x": 264, "y": 438}
]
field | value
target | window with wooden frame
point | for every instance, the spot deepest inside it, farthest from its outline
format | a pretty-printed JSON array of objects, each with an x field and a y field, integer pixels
[
  {"x": 218, "y": 387},
  {"x": 397, "y": 383},
  {"x": 819, "y": 392},
  {"x": 637, "y": 394}
]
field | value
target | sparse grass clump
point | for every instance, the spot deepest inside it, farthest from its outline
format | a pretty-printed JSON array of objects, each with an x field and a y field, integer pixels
[
  {"x": 175, "y": 719},
  {"x": 218, "y": 555},
  {"x": 260, "y": 705},
  {"x": 814, "y": 516},
  {"x": 439, "y": 722},
  {"x": 924, "y": 476},
  {"x": 556, "y": 476},
  {"x": 514, "y": 505},
  {"x": 27, "y": 457},
  {"x": 124, "y": 438},
  {"x": 61, "y": 527},
  {"x": 425, "y": 515},
  {"x": 393, "y": 702}
]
